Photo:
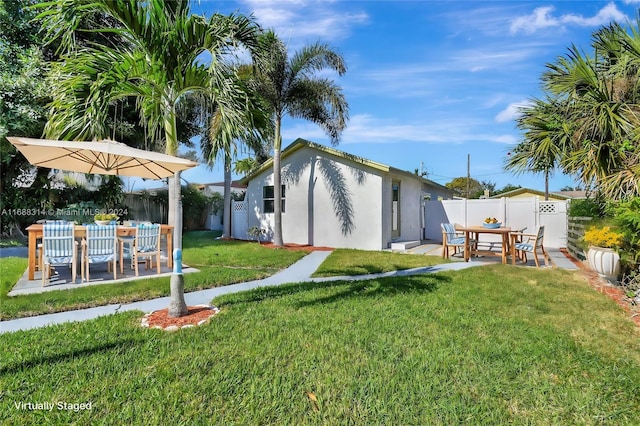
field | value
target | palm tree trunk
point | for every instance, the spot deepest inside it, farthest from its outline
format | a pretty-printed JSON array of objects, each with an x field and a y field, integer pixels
[
  {"x": 177, "y": 304},
  {"x": 226, "y": 210},
  {"x": 546, "y": 185},
  {"x": 277, "y": 188}
]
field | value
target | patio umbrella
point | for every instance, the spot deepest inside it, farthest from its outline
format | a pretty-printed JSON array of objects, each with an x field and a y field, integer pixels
[{"x": 105, "y": 157}]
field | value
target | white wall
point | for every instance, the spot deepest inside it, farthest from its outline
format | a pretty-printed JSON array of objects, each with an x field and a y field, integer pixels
[
  {"x": 410, "y": 209},
  {"x": 329, "y": 202}
]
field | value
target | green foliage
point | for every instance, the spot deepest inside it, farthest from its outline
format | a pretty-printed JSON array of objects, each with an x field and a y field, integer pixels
[
  {"x": 626, "y": 215},
  {"x": 587, "y": 207},
  {"x": 459, "y": 186},
  {"x": 23, "y": 98}
]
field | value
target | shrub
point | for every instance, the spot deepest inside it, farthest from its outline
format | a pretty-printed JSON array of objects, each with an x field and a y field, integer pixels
[
  {"x": 602, "y": 236},
  {"x": 588, "y": 207},
  {"x": 627, "y": 219}
]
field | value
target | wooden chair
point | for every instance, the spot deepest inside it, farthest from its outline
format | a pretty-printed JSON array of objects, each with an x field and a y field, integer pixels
[
  {"x": 99, "y": 246},
  {"x": 452, "y": 238},
  {"x": 146, "y": 244},
  {"x": 59, "y": 247},
  {"x": 528, "y": 243}
]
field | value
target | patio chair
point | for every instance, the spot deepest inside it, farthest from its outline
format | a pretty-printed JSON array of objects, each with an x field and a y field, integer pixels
[
  {"x": 146, "y": 244},
  {"x": 452, "y": 238},
  {"x": 99, "y": 246},
  {"x": 529, "y": 243},
  {"x": 59, "y": 247}
]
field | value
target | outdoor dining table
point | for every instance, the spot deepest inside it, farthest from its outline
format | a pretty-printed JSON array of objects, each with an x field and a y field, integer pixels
[
  {"x": 477, "y": 230},
  {"x": 35, "y": 234}
]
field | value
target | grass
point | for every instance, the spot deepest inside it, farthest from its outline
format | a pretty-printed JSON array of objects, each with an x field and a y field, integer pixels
[
  {"x": 359, "y": 262},
  {"x": 488, "y": 345},
  {"x": 220, "y": 263}
]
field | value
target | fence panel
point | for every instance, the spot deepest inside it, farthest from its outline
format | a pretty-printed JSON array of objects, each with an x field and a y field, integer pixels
[
  {"x": 518, "y": 213},
  {"x": 239, "y": 220},
  {"x": 575, "y": 230}
]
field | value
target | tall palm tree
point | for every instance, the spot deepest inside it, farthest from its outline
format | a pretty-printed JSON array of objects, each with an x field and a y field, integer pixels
[
  {"x": 158, "y": 63},
  {"x": 546, "y": 136},
  {"x": 288, "y": 85},
  {"x": 240, "y": 119}
]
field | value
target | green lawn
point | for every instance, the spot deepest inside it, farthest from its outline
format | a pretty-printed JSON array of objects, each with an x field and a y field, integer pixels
[
  {"x": 220, "y": 263},
  {"x": 488, "y": 345},
  {"x": 359, "y": 262}
]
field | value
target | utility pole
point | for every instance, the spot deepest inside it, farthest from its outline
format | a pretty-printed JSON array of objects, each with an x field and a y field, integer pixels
[{"x": 468, "y": 174}]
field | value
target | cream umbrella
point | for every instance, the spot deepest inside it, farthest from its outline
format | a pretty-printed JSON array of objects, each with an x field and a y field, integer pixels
[{"x": 105, "y": 157}]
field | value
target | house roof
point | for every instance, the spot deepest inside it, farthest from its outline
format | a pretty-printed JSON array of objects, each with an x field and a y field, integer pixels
[
  {"x": 234, "y": 184},
  {"x": 520, "y": 191},
  {"x": 302, "y": 143}
]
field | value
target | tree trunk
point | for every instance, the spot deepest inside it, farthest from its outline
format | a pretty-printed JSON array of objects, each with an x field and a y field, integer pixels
[
  {"x": 546, "y": 186},
  {"x": 226, "y": 210},
  {"x": 277, "y": 188},
  {"x": 177, "y": 305}
]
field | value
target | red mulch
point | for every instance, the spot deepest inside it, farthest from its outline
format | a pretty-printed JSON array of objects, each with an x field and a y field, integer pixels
[
  {"x": 196, "y": 315},
  {"x": 601, "y": 285},
  {"x": 296, "y": 247}
]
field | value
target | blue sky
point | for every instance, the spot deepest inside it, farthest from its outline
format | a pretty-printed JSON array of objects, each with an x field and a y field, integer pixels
[{"x": 428, "y": 81}]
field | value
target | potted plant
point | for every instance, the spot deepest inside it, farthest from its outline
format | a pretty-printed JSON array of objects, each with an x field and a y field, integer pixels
[
  {"x": 602, "y": 255},
  {"x": 105, "y": 218}
]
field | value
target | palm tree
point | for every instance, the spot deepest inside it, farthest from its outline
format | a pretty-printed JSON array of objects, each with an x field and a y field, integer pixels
[
  {"x": 158, "y": 63},
  {"x": 545, "y": 140},
  {"x": 237, "y": 120},
  {"x": 599, "y": 98},
  {"x": 289, "y": 86}
]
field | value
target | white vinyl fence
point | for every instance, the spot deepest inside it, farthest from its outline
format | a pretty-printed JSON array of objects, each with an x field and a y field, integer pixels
[
  {"x": 517, "y": 213},
  {"x": 239, "y": 220}
]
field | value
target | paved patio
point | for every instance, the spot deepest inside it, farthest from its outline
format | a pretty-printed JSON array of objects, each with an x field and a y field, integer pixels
[{"x": 98, "y": 275}]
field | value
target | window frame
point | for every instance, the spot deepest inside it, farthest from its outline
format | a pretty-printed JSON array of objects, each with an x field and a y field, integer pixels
[{"x": 268, "y": 196}]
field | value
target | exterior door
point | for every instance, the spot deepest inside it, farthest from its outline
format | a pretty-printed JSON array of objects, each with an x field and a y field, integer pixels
[{"x": 395, "y": 209}]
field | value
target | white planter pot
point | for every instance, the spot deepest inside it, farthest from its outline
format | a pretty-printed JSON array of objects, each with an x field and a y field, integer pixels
[{"x": 604, "y": 261}]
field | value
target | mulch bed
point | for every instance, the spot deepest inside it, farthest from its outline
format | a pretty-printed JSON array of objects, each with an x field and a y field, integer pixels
[
  {"x": 601, "y": 285},
  {"x": 196, "y": 315},
  {"x": 296, "y": 247}
]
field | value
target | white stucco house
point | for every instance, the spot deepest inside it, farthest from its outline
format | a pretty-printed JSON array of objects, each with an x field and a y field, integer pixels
[{"x": 335, "y": 199}]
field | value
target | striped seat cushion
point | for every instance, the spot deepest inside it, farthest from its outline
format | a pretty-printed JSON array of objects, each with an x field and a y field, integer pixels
[{"x": 524, "y": 246}]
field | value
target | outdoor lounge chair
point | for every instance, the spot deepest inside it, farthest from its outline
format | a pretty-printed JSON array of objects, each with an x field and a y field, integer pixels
[
  {"x": 59, "y": 247},
  {"x": 99, "y": 246},
  {"x": 528, "y": 243},
  {"x": 452, "y": 238}
]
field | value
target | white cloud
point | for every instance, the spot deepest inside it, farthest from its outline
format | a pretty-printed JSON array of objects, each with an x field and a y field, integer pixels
[
  {"x": 511, "y": 112},
  {"x": 607, "y": 14},
  {"x": 365, "y": 128},
  {"x": 298, "y": 21},
  {"x": 542, "y": 17}
]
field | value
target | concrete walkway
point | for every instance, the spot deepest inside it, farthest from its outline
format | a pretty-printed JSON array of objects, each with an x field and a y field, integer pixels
[{"x": 298, "y": 272}]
